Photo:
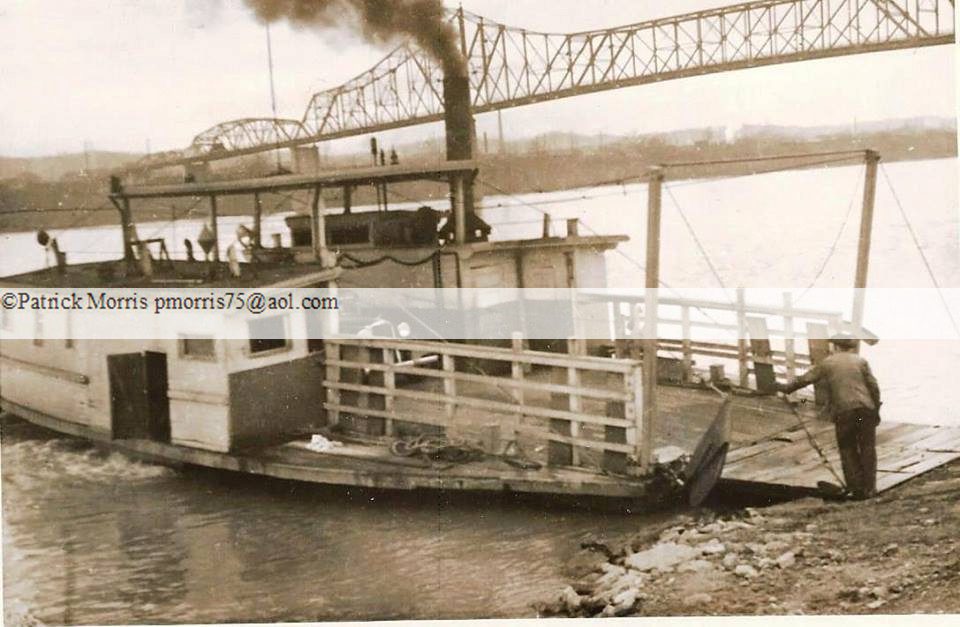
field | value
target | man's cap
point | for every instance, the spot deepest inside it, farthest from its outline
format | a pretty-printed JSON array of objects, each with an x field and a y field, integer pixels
[{"x": 844, "y": 340}]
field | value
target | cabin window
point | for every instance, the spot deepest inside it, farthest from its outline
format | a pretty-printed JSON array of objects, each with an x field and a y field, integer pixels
[
  {"x": 198, "y": 347},
  {"x": 268, "y": 334}
]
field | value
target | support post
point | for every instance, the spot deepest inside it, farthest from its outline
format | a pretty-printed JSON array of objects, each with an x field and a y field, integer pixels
[
  {"x": 871, "y": 158},
  {"x": 459, "y": 211},
  {"x": 333, "y": 376},
  {"x": 449, "y": 389},
  {"x": 125, "y": 225},
  {"x": 318, "y": 232},
  {"x": 651, "y": 302},
  {"x": 215, "y": 229},
  {"x": 347, "y": 198},
  {"x": 578, "y": 347},
  {"x": 390, "y": 385},
  {"x": 763, "y": 370},
  {"x": 516, "y": 367},
  {"x": 685, "y": 342},
  {"x": 257, "y": 221},
  {"x": 743, "y": 365},
  {"x": 819, "y": 349},
  {"x": 789, "y": 338},
  {"x": 517, "y": 375}
]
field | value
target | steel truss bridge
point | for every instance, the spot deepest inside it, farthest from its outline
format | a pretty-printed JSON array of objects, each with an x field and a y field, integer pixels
[{"x": 510, "y": 67}]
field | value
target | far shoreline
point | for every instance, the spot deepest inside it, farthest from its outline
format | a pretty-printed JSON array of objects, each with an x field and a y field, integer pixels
[{"x": 517, "y": 174}]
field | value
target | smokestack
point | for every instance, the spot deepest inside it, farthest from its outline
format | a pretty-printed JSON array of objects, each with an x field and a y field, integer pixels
[
  {"x": 383, "y": 21},
  {"x": 458, "y": 118},
  {"x": 460, "y": 130}
]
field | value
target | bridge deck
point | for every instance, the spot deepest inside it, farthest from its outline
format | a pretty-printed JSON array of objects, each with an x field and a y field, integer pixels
[{"x": 786, "y": 461}]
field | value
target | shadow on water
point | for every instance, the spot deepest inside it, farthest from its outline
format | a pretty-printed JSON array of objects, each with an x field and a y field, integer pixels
[
  {"x": 97, "y": 539},
  {"x": 724, "y": 498},
  {"x": 256, "y": 486}
]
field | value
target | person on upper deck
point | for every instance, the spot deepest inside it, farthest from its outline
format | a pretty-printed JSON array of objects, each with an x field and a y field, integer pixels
[{"x": 854, "y": 404}]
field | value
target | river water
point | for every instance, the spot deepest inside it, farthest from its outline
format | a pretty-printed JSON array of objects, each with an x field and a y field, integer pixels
[{"x": 92, "y": 537}]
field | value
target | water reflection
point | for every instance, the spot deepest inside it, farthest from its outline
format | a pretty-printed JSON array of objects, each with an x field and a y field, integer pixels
[{"x": 151, "y": 545}]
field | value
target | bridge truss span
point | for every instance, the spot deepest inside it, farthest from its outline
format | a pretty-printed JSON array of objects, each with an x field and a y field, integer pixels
[{"x": 511, "y": 67}]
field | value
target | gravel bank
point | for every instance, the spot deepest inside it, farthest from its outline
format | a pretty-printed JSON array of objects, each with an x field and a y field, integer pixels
[{"x": 899, "y": 553}]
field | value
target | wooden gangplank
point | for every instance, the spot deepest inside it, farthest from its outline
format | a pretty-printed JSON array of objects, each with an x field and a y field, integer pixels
[{"x": 787, "y": 462}]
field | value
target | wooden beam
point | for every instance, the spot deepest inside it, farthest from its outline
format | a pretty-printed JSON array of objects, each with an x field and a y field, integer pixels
[
  {"x": 535, "y": 358},
  {"x": 871, "y": 158},
  {"x": 652, "y": 283},
  {"x": 442, "y": 171},
  {"x": 516, "y": 386}
]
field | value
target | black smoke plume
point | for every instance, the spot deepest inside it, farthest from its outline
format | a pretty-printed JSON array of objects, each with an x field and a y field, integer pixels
[{"x": 381, "y": 21}]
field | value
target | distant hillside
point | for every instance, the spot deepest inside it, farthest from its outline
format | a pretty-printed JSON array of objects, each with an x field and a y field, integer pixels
[
  {"x": 55, "y": 167},
  {"x": 899, "y": 126},
  {"x": 72, "y": 165},
  {"x": 53, "y": 193}
]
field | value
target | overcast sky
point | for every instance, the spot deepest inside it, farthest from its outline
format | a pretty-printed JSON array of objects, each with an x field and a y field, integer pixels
[{"x": 118, "y": 73}]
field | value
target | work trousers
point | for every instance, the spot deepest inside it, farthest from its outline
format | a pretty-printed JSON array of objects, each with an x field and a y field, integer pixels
[{"x": 857, "y": 441}]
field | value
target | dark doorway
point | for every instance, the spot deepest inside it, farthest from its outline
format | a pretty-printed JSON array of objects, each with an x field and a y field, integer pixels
[
  {"x": 315, "y": 330},
  {"x": 158, "y": 404},
  {"x": 139, "y": 407}
]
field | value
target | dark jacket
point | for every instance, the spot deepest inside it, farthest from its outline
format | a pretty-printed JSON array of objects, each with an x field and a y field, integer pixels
[{"x": 849, "y": 380}]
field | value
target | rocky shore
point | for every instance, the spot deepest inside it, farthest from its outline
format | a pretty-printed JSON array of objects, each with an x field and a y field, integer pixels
[{"x": 898, "y": 553}]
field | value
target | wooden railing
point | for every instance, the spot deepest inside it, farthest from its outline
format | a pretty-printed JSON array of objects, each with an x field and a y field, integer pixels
[
  {"x": 565, "y": 409},
  {"x": 753, "y": 330}
]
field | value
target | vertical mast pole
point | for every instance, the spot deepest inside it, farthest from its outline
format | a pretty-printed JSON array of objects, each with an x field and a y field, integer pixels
[
  {"x": 871, "y": 159},
  {"x": 651, "y": 302}
]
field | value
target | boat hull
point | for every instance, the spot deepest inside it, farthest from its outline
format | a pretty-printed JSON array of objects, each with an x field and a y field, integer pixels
[{"x": 293, "y": 463}]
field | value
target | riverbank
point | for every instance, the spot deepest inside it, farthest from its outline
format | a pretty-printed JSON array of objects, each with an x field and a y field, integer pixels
[
  {"x": 81, "y": 201},
  {"x": 896, "y": 554}
]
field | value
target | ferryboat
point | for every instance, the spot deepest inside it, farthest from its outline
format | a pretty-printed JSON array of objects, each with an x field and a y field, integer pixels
[{"x": 637, "y": 420}]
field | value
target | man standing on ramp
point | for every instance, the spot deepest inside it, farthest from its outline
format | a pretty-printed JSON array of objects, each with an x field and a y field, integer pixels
[{"x": 854, "y": 404}]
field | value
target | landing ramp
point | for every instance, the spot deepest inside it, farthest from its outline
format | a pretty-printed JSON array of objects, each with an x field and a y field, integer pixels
[{"x": 786, "y": 461}]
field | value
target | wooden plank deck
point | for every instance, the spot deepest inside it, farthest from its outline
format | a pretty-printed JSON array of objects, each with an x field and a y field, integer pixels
[{"x": 787, "y": 461}]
